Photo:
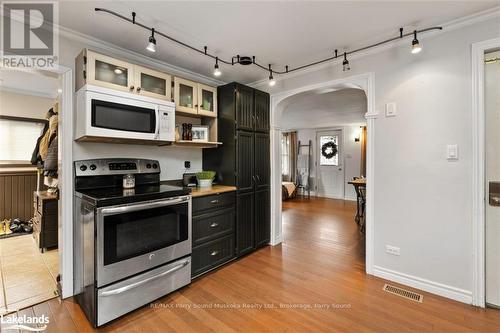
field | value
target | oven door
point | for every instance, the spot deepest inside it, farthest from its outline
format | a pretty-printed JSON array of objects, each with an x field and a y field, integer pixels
[
  {"x": 121, "y": 117},
  {"x": 137, "y": 237}
]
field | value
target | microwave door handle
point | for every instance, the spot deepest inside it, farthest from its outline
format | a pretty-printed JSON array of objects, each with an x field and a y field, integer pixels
[
  {"x": 157, "y": 129},
  {"x": 147, "y": 205},
  {"x": 123, "y": 289}
]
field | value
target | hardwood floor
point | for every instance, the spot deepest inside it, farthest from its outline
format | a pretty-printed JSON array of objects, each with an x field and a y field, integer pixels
[{"x": 319, "y": 264}]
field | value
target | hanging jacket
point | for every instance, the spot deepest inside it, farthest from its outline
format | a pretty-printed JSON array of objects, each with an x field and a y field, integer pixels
[{"x": 35, "y": 157}]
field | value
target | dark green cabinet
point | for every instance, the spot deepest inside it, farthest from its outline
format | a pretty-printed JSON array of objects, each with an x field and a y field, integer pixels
[{"x": 243, "y": 160}]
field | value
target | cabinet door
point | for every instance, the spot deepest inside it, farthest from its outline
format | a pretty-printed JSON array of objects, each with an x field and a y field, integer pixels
[
  {"x": 153, "y": 83},
  {"x": 109, "y": 72},
  {"x": 261, "y": 111},
  {"x": 262, "y": 161},
  {"x": 185, "y": 96},
  {"x": 244, "y": 157},
  {"x": 262, "y": 218},
  {"x": 245, "y": 239},
  {"x": 244, "y": 108},
  {"x": 207, "y": 100}
]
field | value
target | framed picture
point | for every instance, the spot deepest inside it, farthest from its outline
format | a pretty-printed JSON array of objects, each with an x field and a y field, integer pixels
[{"x": 200, "y": 133}]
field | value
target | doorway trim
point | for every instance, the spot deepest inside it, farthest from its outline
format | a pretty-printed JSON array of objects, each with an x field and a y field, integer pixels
[
  {"x": 366, "y": 82},
  {"x": 478, "y": 176}
]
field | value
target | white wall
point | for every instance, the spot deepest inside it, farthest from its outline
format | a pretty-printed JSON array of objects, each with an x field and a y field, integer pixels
[
  {"x": 423, "y": 203},
  {"x": 171, "y": 158},
  {"x": 22, "y": 105},
  {"x": 352, "y": 155}
]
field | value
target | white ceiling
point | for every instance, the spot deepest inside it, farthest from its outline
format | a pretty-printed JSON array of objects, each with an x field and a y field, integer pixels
[
  {"x": 280, "y": 33},
  {"x": 29, "y": 83},
  {"x": 323, "y": 108}
]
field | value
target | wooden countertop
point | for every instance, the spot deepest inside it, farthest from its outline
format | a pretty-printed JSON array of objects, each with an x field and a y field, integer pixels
[{"x": 215, "y": 189}]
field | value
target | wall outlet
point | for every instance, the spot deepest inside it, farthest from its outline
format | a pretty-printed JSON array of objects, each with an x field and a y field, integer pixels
[{"x": 394, "y": 250}]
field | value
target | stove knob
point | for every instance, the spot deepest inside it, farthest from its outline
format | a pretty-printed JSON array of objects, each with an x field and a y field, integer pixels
[
  {"x": 155, "y": 166},
  {"x": 93, "y": 167},
  {"x": 83, "y": 167},
  {"x": 148, "y": 165}
]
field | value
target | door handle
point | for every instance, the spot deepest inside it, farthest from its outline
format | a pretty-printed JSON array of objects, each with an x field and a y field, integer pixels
[
  {"x": 213, "y": 225},
  {"x": 215, "y": 201},
  {"x": 214, "y": 253}
]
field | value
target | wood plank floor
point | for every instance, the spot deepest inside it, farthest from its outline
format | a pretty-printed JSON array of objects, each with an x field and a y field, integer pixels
[{"x": 313, "y": 282}]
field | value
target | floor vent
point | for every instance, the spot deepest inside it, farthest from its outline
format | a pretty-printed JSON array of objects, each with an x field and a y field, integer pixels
[{"x": 403, "y": 293}]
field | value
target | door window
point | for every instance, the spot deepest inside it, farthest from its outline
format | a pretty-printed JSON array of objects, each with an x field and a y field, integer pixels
[{"x": 329, "y": 154}]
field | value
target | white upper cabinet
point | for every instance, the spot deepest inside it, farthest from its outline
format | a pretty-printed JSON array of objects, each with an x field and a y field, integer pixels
[
  {"x": 195, "y": 98},
  {"x": 152, "y": 83},
  {"x": 207, "y": 100},
  {"x": 109, "y": 72}
]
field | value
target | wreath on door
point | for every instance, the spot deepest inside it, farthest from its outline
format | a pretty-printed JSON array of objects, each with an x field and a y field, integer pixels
[{"x": 329, "y": 149}]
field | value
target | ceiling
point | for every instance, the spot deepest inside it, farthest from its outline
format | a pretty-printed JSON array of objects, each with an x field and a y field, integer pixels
[
  {"x": 279, "y": 33},
  {"x": 323, "y": 108},
  {"x": 29, "y": 83}
]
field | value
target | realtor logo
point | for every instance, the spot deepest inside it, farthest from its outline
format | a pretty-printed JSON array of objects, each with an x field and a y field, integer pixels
[{"x": 28, "y": 34}]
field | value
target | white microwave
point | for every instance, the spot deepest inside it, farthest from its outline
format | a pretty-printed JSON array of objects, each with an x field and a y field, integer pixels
[{"x": 103, "y": 113}]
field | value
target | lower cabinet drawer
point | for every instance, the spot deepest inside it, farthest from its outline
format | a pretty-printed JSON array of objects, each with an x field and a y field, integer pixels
[
  {"x": 212, "y": 254},
  {"x": 209, "y": 226}
]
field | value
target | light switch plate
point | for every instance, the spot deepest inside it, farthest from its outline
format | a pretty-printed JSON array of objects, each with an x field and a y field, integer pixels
[
  {"x": 390, "y": 109},
  {"x": 452, "y": 152}
]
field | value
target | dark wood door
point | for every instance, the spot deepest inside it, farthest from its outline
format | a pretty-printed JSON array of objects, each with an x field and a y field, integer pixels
[
  {"x": 244, "y": 108},
  {"x": 245, "y": 237},
  {"x": 262, "y": 218},
  {"x": 244, "y": 165},
  {"x": 262, "y": 161},
  {"x": 261, "y": 111}
]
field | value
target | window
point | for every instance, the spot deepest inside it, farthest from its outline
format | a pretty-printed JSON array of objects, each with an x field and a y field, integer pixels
[
  {"x": 285, "y": 155},
  {"x": 329, "y": 145},
  {"x": 18, "y": 138}
]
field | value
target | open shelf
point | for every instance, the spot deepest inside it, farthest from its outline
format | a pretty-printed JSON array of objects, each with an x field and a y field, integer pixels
[{"x": 196, "y": 144}]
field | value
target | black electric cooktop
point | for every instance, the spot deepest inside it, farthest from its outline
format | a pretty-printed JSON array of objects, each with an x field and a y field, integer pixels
[{"x": 111, "y": 196}]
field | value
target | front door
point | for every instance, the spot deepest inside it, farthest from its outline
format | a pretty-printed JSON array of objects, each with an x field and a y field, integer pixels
[
  {"x": 492, "y": 172},
  {"x": 330, "y": 177}
]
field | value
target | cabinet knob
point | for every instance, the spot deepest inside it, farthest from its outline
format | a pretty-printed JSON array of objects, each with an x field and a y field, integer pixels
[
  {"x": 213, "y": 225},
  {"x": 214, "y": 253},
  {"x": 214, "y": 201},
  {"x": 138, "y": 89},
  {"x": 132, "y": 87}
]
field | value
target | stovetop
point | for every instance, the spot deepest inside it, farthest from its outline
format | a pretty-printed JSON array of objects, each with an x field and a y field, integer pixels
[{"x": 111, "y": 196}]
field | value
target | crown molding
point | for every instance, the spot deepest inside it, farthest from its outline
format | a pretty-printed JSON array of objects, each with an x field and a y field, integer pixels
[
  {"x": 106, "y": 47},
  {"x": 28, "y": 92},
  {"x": 448, "y": 26}
]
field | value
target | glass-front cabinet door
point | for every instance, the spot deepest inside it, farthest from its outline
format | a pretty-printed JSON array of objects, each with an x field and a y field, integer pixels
[
  {"x": 207, "y": 100},
  {"x": 153, "y": 83},
  {"x": 109, "y": 72},
  {"x": 185, "y": 96}
]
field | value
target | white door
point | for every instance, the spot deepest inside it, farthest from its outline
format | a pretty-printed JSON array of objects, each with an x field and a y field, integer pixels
[
  {"x": 492, "y": 121},
  {"x": 330, "y": 172}
]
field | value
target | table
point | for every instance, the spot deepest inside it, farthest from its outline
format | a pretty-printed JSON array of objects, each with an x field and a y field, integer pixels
[{"x": 360, "y": 188}]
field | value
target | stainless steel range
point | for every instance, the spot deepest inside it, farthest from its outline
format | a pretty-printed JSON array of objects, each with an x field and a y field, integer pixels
[{"x": 132, "y": 236}]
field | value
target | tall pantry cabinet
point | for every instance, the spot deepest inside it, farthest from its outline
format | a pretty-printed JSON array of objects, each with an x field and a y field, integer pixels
[{"x": 244, "y": 161}]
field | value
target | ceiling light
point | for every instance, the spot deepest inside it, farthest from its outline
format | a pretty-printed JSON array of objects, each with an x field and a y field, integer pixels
[
  {"x": 415, "y": 45},
  {"x": 345, "y": 63},
  {"x": 152, "y": 42},
  {"x": 118, "y": 71},
  {"x": 272, "y": 81},
  {"x": 217, "y": 71}
]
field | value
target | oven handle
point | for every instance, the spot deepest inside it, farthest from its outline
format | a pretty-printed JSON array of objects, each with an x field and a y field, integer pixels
[
  {"x": 123, "y": 289},
  {"x": 147, "y": 205}
]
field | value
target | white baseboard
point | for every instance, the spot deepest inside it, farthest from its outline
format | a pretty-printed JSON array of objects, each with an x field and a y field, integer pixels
[
  {"x": 457, "y": 294},
  {"x": 350, "y": 198},
  {"x": 276, "y": 240}
]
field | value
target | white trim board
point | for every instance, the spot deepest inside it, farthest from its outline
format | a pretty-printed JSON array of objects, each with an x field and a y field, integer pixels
[
  {"x": 440, "y": 289},
  {"x": 363, "y": 81},
  {"x": 478, "y": 178}
]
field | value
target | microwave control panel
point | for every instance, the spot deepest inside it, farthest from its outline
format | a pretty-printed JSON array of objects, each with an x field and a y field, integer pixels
[{"x": 167, "y": 124}]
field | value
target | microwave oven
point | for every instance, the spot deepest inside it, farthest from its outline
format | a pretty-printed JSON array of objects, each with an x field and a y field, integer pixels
[{"x": 111, "y": 115}]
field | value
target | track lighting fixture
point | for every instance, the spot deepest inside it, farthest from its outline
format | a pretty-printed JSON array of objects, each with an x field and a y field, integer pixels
[
  {"x": 246, "y": 60},
  {"x": 217, "y": 71},
  {"x": 272, "y": 81},
  {"x": 345, "y": 63},
  {"x": 152, "y": 42},
  {"x": 415, "y": 45}
]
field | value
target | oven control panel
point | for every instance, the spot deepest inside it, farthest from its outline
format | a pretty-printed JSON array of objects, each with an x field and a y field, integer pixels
[{"x": 115, "y": 166}]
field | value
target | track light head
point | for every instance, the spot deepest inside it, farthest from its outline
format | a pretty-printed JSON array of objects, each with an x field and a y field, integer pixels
[
  {"x": 345, "y": 64},
  {"x": 152, "y": 42},
  {"x": 415, "y": 45},
  {"x": 217, "y": 71},
  {"x": 272, "y": 81}
]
